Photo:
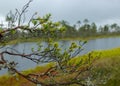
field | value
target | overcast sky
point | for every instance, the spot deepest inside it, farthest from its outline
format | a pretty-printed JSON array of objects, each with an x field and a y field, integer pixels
[{"x": 99, "y": 11}]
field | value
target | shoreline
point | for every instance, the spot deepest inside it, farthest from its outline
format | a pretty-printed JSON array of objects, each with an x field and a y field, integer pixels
[{"x": 36, "y": 39}]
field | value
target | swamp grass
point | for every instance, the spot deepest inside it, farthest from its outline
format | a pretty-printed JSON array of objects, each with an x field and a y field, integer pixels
[{"x": 108, "y": 61}]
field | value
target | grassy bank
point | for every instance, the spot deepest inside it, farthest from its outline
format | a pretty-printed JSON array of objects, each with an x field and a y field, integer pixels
[
  {"x": 109, "y": 60},
  {"x": 37, "y": 39},
  {"x": 21, "y": 40},
  {"x": 91, "y": 37}
]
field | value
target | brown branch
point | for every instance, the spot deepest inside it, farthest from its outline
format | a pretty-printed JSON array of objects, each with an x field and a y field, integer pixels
[
  {"x": 43, "y": 56},
  {"x": 4, "y": 31},
  {"x": 2, "y": 58},
  {"x": 28, "y": 78},
  {"x": 23, "y": 11},
  {"x": 47, "y": 73}
]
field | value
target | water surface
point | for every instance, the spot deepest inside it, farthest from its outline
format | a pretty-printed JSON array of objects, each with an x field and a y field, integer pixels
[{"x": 96, "y": 44}]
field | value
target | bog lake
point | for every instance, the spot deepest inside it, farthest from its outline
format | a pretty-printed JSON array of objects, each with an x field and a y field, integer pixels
[{"x": 95, "y": 44}]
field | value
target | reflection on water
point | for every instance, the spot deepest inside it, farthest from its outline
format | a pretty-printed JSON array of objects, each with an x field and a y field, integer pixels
[{"x": 97, "y": 44}]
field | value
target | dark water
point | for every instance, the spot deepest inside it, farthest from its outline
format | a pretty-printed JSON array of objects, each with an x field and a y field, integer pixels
[{"x": 97, "y": 44}]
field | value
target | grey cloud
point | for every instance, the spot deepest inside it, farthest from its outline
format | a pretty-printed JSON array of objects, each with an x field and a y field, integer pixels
[{"x": 70, "y": 10}]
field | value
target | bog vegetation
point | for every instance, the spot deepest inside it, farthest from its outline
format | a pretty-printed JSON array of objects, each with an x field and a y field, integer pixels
[
  {"x": 64, "y": 68},
  {"x": 106, "y": 68}
]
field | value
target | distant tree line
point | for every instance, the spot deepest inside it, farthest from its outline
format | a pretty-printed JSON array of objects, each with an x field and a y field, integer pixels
[
  {"x": 79, "y": 30},
  {"x": 87, "y": 29}
]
